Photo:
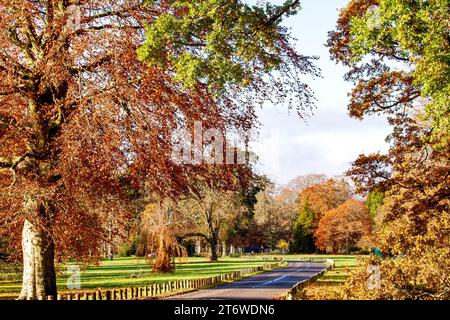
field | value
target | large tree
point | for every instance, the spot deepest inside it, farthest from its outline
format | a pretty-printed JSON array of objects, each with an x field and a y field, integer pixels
[
  {"x": 414, "y": 217},
  {"x": 343, "y": 227},
  {"x": 83, "y": 120},
  {"x": 275, "y": 213},
  {"x": 211, "y": 212},
  {"x": 313, "y": 203},
  {"x": 161, "y": 224},
  {"x": 398, "y": 53},
  {"x": 211, "y": 206}
]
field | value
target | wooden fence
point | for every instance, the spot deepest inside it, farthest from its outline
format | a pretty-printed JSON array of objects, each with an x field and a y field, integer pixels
[
  {"x": 295, "y": 290},
  {"x": 161, "y": 289}
]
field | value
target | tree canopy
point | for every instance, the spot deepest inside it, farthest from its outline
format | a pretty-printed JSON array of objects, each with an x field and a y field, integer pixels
[
  {"x": 398, "y": 53},
  {"x": 343, "y": 227},
  {"x": 84, "y": 120},
  {"x": 229, "y": 47}
]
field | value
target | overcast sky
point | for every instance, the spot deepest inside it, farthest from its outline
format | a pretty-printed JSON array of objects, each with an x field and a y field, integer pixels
[{"x": 330, "y": 140}]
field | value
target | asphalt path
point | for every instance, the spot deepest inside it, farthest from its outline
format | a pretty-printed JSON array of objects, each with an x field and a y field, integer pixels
[{"x": 265, "y": 286}]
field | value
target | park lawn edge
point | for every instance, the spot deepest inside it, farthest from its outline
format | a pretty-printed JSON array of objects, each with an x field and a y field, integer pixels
[
  {"x": 178, "y": 293},
  {"x": 282, "y": 263}
]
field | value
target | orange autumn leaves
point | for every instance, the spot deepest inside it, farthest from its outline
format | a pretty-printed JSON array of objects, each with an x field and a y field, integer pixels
[
  {"x": 344, "y": 226},
  {"x": 332, "y": 218}
]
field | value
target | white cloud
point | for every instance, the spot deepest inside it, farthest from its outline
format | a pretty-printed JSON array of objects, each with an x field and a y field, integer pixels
[
  {"x": 330, "y": 140},
  {"x": 328, "y": 144}
]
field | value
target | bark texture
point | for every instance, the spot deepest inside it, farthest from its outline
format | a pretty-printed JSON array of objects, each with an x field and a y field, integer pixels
[{"x": 39, "y": 278}]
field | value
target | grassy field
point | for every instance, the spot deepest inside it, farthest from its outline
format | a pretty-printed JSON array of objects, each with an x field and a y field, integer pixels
[{"x": 127, "y": 272}]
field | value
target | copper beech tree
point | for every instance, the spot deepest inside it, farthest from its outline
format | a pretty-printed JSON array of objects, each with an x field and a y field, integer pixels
[
  {"x": 342, "y": 227},
  {"x": 83, "y": 120}
]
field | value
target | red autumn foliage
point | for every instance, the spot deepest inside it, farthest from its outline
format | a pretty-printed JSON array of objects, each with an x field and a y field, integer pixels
[
  {"x": 84, "y": 124},
  {"x": 83, "y": 120},
  {"x": 343, "y": 227},
  {"x": 322, "y": 197}
]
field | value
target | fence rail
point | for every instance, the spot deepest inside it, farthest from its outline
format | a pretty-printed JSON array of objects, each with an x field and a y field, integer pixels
[
  {"x": 161, "y": 289},
  {"x": 295, "y": 290}
]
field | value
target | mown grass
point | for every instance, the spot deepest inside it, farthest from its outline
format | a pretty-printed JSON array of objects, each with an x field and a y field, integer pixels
[{"x": 127, "y": 272}]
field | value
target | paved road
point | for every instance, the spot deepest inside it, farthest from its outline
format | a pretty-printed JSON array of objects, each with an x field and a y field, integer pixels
[{"x": 265, "y": 286}]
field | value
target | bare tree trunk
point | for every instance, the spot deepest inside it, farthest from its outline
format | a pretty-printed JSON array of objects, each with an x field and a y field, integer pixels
[
  {"x": 224, "y": 249},
  {"x": 109, "y": 252},
  {"x": 198, "y": 247},
  {"x": 213, "y": 246},
  {"x": 213, "y": 253},
  {"x": 39, "y": 278}
]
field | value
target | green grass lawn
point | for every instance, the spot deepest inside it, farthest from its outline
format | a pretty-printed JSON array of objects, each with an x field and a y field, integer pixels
[
  {"x": 136, "y": 272},
  {"x": 127, "y": 272}
]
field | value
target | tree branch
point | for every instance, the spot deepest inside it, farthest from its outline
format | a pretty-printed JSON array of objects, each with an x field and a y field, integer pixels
[
  {"x": 13, "y": 162},
  {"x": 90, "y": 67},
  {"x": 7, "y": 93},
  {"x": 5, "y": 162},
  {"x": 196, "y": 234},
  {"x": 286, "y": 8}
]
